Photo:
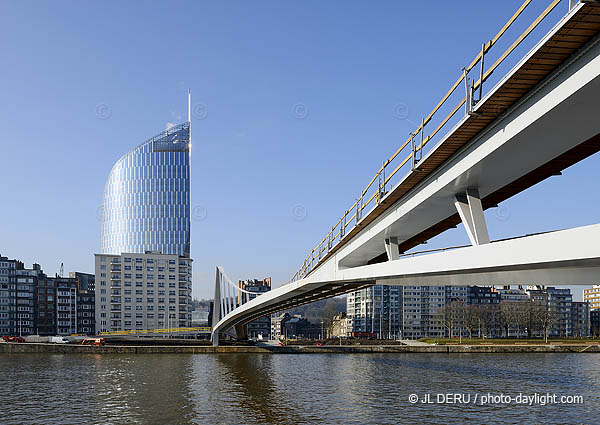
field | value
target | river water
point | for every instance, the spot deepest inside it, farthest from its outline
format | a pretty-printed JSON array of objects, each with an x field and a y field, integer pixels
[{"x": 296, "y": 389}]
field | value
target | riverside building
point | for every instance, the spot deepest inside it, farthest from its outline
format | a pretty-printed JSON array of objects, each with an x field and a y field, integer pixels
[
  {"x": 409, "y": 311},
  {"x": 64, "y": 305},
  {"x": 32, "y": 303},
  {"x": 144, "y": 271},
  {"x": 592, "y": 295},
  {"x": 261, "y": 327},
  {"x": 8, "y": 300},
  {"x": 143, "y": 291},
  {"x": 146, "y": 200},
  {"x": 375, "y": 310}
]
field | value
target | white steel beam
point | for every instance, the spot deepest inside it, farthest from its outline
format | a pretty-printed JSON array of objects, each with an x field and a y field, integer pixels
[
  {"x": 471, "y": 213},
  {"x": 566, "y": 257},
  {"x": 391, "y": 248}
]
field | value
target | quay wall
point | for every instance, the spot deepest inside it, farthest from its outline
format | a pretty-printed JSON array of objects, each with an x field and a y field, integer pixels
[{"x": 16, "y": 348}]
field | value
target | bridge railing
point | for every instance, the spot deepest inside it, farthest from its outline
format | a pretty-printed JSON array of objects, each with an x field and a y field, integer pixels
[{"x": 408, "y": 155}]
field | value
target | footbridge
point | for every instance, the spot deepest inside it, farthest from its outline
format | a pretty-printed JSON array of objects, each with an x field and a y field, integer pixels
[{"x": 514, "y": 117}]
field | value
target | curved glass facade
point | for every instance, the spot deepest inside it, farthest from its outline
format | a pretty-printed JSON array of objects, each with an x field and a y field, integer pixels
[{"x": 146, "y": 201}]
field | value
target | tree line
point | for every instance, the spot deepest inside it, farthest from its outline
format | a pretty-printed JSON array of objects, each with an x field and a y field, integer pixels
[{"x": 529, "y": 317}]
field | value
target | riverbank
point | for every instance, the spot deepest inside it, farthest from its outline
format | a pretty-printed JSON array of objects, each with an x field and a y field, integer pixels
[
  {"x": 10, "y": 348},
  {"x": 293, "y": 349}
]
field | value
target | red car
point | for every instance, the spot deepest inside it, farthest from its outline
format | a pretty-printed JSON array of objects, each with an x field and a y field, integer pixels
[{"x": 13, "y": 339}]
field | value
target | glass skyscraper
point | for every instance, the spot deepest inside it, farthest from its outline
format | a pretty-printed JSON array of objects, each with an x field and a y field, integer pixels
[{"x": 146, "y": 201}]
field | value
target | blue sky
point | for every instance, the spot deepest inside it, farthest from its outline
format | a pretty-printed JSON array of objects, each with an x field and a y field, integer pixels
[{"x": 295, "y": 109}]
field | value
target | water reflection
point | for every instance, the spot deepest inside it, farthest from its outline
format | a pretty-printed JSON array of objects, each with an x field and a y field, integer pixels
[{"x": 257, "y": 396}]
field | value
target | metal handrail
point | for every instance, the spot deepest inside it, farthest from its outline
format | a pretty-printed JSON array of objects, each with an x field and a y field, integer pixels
[{"x": 335, "y": 236}]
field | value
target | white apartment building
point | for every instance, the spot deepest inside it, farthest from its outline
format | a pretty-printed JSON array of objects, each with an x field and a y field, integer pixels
[
  {"x": 401, "y": 311},
  {"x": 143, "y": 291}
]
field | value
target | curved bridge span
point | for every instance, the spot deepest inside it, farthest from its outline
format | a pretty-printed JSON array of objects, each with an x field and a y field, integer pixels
[{"x": 538, "y": 119}]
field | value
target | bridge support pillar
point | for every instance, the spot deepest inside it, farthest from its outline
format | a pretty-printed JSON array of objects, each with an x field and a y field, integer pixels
[
  {"x": 470, "y": 210},
  {"x": 215, "y": 338},
  {"x": 391, "y": 248},
  {"x": 241, "y": 332}
]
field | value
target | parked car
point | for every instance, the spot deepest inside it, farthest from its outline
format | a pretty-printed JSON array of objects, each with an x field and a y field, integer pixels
[
  {"x": 58, "y": 340},
  {"x": 13, "y": 339},
  {"x": 93, "y": 341}
]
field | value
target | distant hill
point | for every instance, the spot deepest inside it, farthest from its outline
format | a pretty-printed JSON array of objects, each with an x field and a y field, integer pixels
[
  {"x": 321, "y": 310},
  {"x": 314, "y": 312}
]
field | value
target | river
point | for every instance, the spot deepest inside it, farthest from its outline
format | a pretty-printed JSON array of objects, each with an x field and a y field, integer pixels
[{"x": 297, "y": 389}]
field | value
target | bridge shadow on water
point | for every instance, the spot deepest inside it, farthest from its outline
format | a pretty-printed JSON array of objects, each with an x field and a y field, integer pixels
[{"x": 250, "y": 380}]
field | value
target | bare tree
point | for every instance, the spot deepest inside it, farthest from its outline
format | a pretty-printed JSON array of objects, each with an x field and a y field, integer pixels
[
  {"x": 522, "y": 315},
  {"x": 491, "y": 319},
  {"x": 544, "y": 317},
  {"x": 472, "y": 317},
  {"x": 507, "y": 315},
  {"x": 516, "y": 315},
  {"x": 450, "y": 315},
  {"x": 483, "y": 317}
]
